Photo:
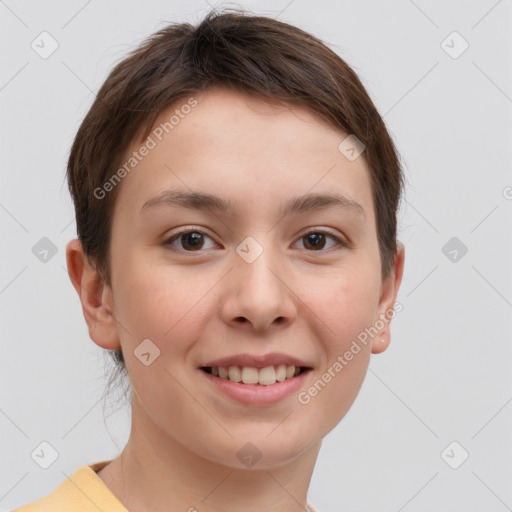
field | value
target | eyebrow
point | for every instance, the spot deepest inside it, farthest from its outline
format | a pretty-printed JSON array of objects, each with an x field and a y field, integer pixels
[{"x": 294, "y": 205}]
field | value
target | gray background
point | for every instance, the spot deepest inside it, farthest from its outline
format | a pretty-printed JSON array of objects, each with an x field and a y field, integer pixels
[{"x": 446, "y": 374}]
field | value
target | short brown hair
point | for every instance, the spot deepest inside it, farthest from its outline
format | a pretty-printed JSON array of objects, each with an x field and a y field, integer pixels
[{"x": 255, "y": 55}]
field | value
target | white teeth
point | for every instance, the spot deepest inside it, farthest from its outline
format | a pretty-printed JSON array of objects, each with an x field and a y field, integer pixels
[
  {"x": 234, "y": 374},
  {"x": 281, "y": 373},
  {"x": 267, "y": 376},
  {"x": 251, "y": 375}
]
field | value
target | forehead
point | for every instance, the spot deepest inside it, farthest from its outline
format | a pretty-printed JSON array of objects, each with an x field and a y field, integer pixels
[
  {"x": 229, "y": 143},
  {"x": 226, "y": 119}
]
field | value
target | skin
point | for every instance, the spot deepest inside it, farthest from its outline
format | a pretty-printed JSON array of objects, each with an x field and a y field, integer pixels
[{"x": 209, "y": 302}]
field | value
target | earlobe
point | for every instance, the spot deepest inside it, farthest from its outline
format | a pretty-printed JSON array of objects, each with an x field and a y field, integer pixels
[
  {"x": 95, "y": 296},
  {"x": 386, "y": 310},
  {"x": 381, "y": 341}
]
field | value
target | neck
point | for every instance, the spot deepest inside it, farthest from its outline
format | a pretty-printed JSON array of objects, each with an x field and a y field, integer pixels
[{"x": 155, "y": 472}]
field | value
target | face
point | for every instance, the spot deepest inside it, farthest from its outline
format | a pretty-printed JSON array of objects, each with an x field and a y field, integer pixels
[{"x": 260, "y": 283}]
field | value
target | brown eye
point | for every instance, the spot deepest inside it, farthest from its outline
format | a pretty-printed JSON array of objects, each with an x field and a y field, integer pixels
[
  {"x": 189, "y": 241},
  {"x": 316, "y": 240}
]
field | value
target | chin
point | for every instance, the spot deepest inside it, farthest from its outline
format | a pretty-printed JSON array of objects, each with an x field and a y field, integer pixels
[{"x": 260, "y": 451}]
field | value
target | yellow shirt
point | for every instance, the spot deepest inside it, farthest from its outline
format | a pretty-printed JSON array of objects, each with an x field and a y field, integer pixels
[{"x": 83, "y": 491}]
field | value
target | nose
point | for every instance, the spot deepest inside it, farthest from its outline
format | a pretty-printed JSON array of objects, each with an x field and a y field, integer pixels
[{"x": 259, "y": 295}]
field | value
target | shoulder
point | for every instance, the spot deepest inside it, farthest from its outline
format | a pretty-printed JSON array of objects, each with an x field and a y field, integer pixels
[{"x": 83, "y": 490}]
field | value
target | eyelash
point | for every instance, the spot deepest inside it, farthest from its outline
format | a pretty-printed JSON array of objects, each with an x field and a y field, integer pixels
[{"x": 323, "y": 231}]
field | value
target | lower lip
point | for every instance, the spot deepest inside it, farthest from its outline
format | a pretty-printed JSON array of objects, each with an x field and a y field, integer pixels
[{"x": 257, "y": 394}]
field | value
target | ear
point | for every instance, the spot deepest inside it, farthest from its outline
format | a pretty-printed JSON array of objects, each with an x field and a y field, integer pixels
[
  {"x": 389, "y": 291},
  {"x": 95, "y": 296}
]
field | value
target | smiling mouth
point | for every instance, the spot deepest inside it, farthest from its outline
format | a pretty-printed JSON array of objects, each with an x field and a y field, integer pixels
[{"x": 256, "y": 376}]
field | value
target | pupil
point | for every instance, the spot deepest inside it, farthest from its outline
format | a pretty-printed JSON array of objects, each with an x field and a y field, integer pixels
[
  {"x": 317, "y": 239},
  {"x": 194, "y": 238}
]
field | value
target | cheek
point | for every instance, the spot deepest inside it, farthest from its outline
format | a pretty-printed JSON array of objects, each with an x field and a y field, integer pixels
[
  {"x": 346, "y": 308},
  {"x": 164, "y": 305},
  {"x": 157, "y": 299},
  {"x": 345, "y": 305}
]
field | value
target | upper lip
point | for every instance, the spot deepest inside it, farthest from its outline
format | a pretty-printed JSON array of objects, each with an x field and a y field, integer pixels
[{"x": 272, "y": 359}]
